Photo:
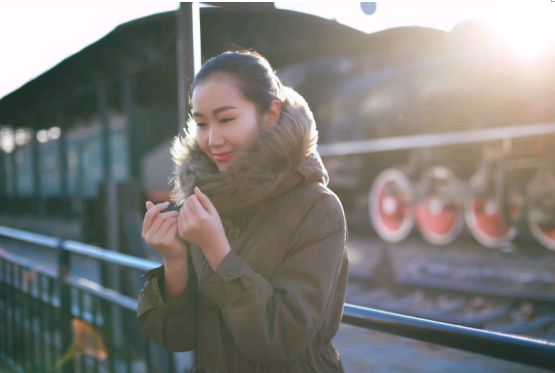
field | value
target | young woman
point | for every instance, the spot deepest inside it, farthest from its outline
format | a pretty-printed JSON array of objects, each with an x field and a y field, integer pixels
[{"x": 255, "y": 261}]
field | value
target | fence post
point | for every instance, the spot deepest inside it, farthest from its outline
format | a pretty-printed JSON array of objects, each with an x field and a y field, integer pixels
[
  {"x": 65, "y": 305},
  {"x": 108, "y": 274}
]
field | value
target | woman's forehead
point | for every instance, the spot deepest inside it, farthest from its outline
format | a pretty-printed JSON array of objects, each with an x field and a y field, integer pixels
[{"x": 216, "y": 92}]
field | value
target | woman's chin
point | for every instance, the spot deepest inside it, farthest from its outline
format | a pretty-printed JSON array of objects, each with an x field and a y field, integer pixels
[{"x": 223, "y": 166}]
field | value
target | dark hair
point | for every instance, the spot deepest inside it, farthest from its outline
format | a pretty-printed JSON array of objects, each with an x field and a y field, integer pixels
[{"x": 252, "y": 72}]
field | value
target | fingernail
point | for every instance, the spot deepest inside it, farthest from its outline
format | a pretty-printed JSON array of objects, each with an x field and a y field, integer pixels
[
  {"x": 166, "y": 203},
  {"x": 197, "y": 189}
]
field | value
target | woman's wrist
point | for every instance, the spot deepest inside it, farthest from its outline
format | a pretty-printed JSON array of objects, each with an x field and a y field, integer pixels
[
  {"x": 177, "y": 257},
  {"x": 216, "y": 254},
  {"x": 176, "y": 275},
  {"x": 175, "y": 263}
]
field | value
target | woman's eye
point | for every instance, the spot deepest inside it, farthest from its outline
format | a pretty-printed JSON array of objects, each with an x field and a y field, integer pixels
[
  {"x": 225, "y": 120},
  {"x": 201, "y": 124}
]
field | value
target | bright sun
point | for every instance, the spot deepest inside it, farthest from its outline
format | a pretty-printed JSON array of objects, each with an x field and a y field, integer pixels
[{"x": 527, "y": 27}]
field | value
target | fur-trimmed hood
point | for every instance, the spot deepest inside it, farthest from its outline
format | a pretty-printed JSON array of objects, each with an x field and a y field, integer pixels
[{"x": 277, "y": 160}]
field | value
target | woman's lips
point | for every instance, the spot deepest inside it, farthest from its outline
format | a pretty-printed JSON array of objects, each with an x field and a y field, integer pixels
[{"x": 223, "y": 156}]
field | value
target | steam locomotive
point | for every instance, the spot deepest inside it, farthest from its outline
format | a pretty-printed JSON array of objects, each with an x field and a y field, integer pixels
[{"x": 461, "y": 131}]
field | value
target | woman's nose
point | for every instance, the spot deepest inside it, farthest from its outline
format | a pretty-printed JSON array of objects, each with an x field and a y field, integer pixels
[{"x": 215, "y": 138}]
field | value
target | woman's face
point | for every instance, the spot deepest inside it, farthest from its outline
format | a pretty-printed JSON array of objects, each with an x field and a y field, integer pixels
[{"x": 227, "y": 123}]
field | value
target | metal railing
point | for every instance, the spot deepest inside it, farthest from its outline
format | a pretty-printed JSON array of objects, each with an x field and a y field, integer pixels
[
  {"x": 32, "y": 320},
  {"x": 38, "y": 304}
]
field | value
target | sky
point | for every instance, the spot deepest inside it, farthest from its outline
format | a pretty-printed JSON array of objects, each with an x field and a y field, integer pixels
[{"x": 34, "y": 37}]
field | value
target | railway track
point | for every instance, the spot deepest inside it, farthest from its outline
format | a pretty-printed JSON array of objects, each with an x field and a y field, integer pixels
[{"x": 467, "y": 297}]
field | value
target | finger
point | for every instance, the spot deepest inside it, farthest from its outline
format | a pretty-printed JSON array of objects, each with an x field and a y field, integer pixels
[
  {"x": 182, "y": 223},
  {"x": 205, "y": 201},
  {"x": 188, "y": 204},
  {"x": 169, "y": 214},
  {"x": 155, "y": 227},
  {"x": 149, "y": 205},
  {"x": 165, "y": 227},
  {"x": 151, "y": 215},
  {"x": 179, "y": 218},
  {"x": 176, "y": 234},
  {"x": 189, "y": 216},
  {"x": 171, "y": 235},
  {"x": 196, "y": 207}
]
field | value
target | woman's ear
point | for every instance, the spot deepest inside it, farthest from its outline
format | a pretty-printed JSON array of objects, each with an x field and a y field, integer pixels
[{"x": 273, "y": 114}]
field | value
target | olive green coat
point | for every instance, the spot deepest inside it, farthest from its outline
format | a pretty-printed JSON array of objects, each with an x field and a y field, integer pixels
[{"x": 276, "y": 301}]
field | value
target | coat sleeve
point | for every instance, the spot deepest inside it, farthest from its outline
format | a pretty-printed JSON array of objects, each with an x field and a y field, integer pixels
[
  {"x": 170, "y": 324},
  {"x": 277, "y": 319}
]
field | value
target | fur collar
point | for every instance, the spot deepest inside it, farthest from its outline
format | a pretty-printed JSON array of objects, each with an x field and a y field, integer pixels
[{"x": 277, "y": 160}]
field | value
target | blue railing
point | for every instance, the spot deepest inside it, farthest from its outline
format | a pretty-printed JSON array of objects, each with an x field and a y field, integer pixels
[{"x": 38, "y": 304}]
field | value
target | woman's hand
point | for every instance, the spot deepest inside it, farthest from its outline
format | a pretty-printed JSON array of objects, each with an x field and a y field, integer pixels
[
  {"x": 160, "y": 231},
  {"x": 200, "y": 224}
]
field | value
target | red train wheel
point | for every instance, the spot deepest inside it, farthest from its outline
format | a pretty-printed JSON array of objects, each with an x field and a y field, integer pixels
[
  {"x": 543, "y": 233},
  {"x": 485, "y": 223},
  {"x": 390, "y": 207},
  {"x": 440, "y": 221}
]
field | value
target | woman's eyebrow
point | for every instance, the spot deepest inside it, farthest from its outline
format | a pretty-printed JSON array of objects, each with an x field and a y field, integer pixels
[{"x": 215, "y": 111}]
